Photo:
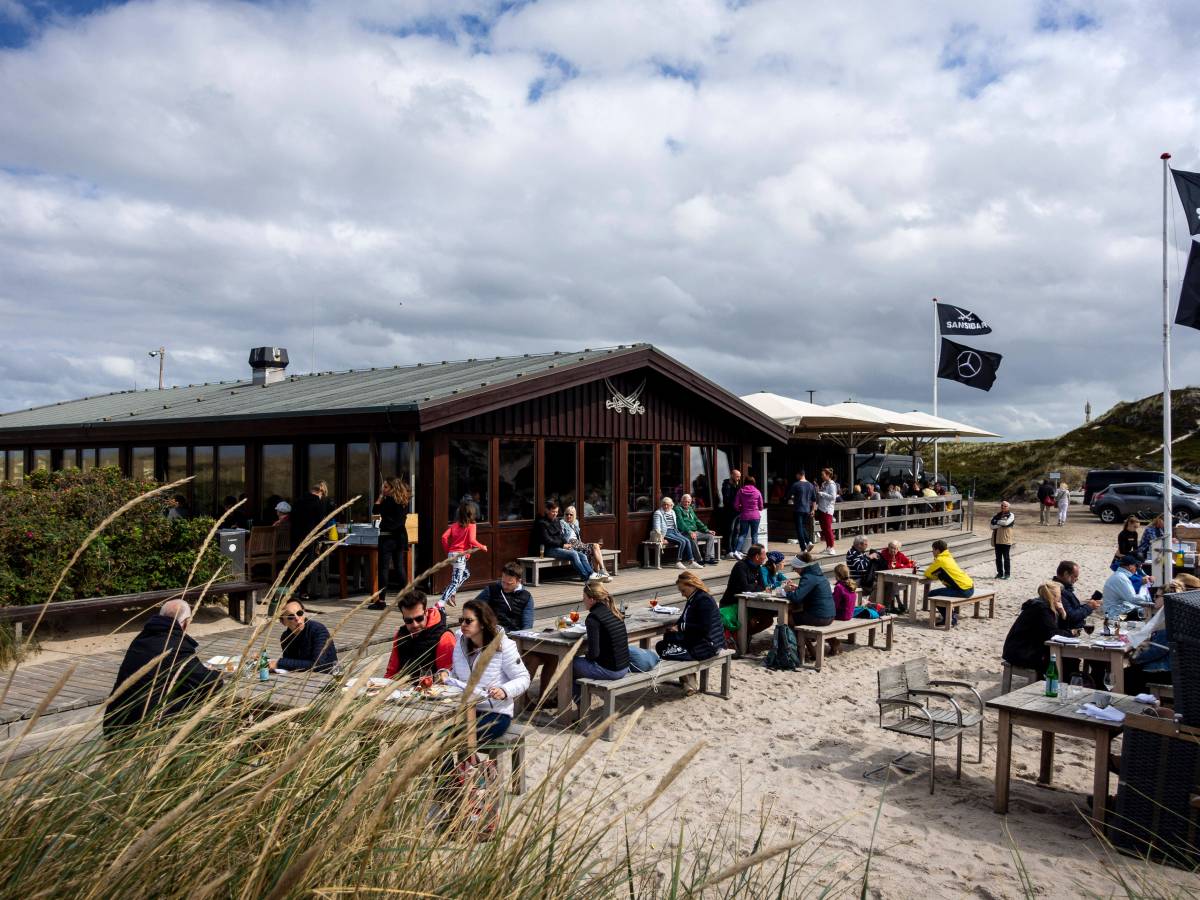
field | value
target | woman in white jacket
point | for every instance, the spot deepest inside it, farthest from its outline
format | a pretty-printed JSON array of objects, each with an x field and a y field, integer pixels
[{"x": 504, "y": 678}]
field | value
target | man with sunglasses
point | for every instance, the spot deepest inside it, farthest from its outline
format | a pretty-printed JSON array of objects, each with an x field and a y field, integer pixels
[
  {"x": 423, "y": 645},
  {"x": 306, "y": 643}
]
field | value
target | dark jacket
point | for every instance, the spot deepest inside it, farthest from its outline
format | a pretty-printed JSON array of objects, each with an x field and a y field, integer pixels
[
  {"x": 1127, "y": 542},
  {"x": 1077, "y": 612},
  {"x": 701, "y": 629},
  {"x": 744, "y": 578},
  {"x": 425, "y": 652},
  {"x": 191, "y": 681},
  {"x": 393, "y": 520},
  {"x": 514, "y": 610},
  {"x": 607, "y": 639},
  {"x": 729, "y": 490},
  {"x": 307, "y": 513},
  {"x": 1044, "y": 492},
  {"x": 547, "y": 535},
  {"x": 802, "y": 494},
  {"x": 1025, "y": 646},
  {"x": 310, "y": 648},
  {"x": 813, "y": 594}
]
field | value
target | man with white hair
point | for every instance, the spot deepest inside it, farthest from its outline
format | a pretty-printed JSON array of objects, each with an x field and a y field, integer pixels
[{"x": 160, "y": 674}]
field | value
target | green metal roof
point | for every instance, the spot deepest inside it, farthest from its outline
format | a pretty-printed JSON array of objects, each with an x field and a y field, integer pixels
[{"x": 398, "y": 388}]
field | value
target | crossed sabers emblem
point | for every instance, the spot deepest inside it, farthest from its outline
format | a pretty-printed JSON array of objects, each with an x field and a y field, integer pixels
[{"x": 620, "y": 403}]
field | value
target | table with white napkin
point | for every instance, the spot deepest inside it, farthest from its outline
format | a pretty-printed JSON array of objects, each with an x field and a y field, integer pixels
[
  {"x": 667, "y": 610},
  {"x": 1106, "y": 714}
]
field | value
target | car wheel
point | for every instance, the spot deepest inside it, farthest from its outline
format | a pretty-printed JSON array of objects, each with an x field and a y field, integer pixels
[
  {"x": 1183, "y": 516},
  {"x": 1108, "y": 514}
]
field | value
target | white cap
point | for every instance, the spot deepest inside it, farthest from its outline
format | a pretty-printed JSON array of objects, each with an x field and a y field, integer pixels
[
  {"x": 283, "y": 507},
  {"x": 797, "y": 562}
]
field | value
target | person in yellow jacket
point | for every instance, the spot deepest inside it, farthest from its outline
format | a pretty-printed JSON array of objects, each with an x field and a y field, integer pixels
[{"x": 956, "y": 582}]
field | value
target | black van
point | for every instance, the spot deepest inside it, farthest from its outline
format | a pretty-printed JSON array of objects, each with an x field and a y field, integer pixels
[{"x": 1098, "y": 479}]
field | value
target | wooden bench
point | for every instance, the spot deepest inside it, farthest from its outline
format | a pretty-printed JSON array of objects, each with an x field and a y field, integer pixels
[
  {"x": 242, "y": 596},
  {"x": 654, "y": 549},
  {"x": 512, "y": 742},
  {"x": 948, "y": 605},
  {"x": 609, "y": 691},
  {"x": 848, "y": 629},
  {"x": 534, "y": 564}
]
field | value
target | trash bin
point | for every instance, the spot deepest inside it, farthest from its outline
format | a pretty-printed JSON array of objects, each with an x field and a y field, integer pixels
[{"x": 233, "y": 547}]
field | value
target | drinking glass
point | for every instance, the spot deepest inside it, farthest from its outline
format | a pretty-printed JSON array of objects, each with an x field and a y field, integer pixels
[
  {"x": 1108, "y": 679},
  {"x": 1088, "y": 629},
  {"x": 653, "y": 602},
  {"x": 574, "y": 616},
  {"x": 1076, "y": 687}
]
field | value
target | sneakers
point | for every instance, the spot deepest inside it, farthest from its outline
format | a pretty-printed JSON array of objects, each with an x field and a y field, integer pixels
[
  {"x": 731, "y": 555},
  {"x": 829, "y": 551},
  {"x": 595, "y": 576},
  {"x": 680, "y": 565},
  {"x": 737, "y": 554},
  {"x": 606, "y": 578},
  {"x": 697, "y": 565}
]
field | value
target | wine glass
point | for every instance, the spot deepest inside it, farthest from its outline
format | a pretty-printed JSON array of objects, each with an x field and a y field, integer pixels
[
  {"x": 654, "y": 601},
  {"x": 574, "y": 616},
  {"x": 1108, "y": 679},
  {"x": 1088, "y": 628},
  {"x": 1076, "y": 687}
]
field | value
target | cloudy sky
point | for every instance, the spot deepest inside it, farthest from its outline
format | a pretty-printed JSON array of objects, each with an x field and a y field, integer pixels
[{"x": 770, "y": 191}]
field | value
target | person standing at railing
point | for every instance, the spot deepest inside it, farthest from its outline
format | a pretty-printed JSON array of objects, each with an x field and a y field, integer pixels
[{"x": 827, "y": 497}]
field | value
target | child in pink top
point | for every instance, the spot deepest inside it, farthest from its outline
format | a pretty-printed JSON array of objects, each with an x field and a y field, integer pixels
[
  {"x": 845, "y": 593},
  {"x": 458, "y": 539}
]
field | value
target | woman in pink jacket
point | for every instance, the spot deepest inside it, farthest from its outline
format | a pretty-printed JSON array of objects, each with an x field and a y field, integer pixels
[{"x": 749, "y": 505}]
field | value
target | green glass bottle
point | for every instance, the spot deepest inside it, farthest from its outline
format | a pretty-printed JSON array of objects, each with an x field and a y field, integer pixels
[
  {"x": 1052, "y": 679},
  {"x": 264, "y": 667}
]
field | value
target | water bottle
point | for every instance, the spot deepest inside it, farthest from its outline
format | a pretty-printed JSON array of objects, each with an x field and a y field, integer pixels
[
  {"x": 264, "y": 667},
  {"x": 1052, "y": 679}
]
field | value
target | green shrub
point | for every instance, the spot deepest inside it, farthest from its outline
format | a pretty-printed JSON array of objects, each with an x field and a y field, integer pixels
[{"x": 45, "y": 520}]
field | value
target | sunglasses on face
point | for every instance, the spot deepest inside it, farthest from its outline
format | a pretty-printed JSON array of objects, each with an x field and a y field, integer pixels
[
  {"x": 466, "y": 621},
  {"x": 409, "y": 620},
  {"x": 291, "y": 618}
]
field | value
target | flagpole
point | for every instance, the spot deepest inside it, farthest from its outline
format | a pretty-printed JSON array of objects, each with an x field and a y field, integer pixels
[
  {"x": 935, "y": 377},
  {"x": 1168, "y": 489}
]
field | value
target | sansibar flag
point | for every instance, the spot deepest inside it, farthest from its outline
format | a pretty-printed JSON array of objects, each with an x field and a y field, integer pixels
[
  {"x": 1189, "y": 294},
  {"x": 975, "y": 368},
  {"x": 1188, "y": 185},
  {"x": 956, "y": 320}
]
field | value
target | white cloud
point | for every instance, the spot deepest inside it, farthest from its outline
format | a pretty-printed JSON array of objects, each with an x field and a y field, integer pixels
[{"x": 785, "y": 191}]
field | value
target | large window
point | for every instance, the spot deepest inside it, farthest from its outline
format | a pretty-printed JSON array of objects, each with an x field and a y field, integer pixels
[
  {"x": 141, "y": 463},
  {"x": 203, "y": 485},
  {"x": 87, "y": 458},
  {"x": 469, "y": 477},
  {"x": 597, "y": 479},
  {"x": 69, "y": 458},
  {"x": 231, "y": 476},
  {"x": 275, "y": 479},
  {"x": 724, "y": 467},
  {"x": 322, "y": 466},
  {"x": 641, "y": 478},
  {"x": 395, "y": 458},
  {"x": 110, "y": 456},
  {"x": 177, "y": 466},
  {"x": 358, "y": 481},
  {"x": 3, "y": 465},
  {"x": 671, "y": 481},
  {"x": 16, "y": 466},
  {"x": 701, "y": 477},
  {"x": 41, "y": 460},
  {"x": 516, "y": 489},
  {"x": 560, "y": 482}
]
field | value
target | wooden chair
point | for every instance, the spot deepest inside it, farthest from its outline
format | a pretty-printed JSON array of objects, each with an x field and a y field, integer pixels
[
  {"x": 900, "y": 713},
  {"x": 261, "y": 551}
]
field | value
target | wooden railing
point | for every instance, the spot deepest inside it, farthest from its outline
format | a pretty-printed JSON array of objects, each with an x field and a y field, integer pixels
[{"x": 854, "y": 517}]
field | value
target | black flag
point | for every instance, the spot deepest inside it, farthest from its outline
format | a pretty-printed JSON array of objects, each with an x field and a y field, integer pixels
[
  {"x": 1189, "y": 294},
  {"x": 956, "y": 320},
  {"x": 975, "y": 368},
  {"x": 1188, "y": 185}
]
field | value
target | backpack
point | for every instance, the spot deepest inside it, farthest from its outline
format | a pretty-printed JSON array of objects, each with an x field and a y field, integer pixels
[{"x": 784, "y": 654}]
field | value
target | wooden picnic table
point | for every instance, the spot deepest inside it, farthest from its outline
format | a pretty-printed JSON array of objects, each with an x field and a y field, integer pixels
[
  {"x": 368, "y": 551},
  {"x": 1030, "y": 707},
  {"x": 757, "y": 600},
  {"x": 1117, "y": 658},
  {"x": 906, "y": 579},
  {"x": 641, "y": 625}
]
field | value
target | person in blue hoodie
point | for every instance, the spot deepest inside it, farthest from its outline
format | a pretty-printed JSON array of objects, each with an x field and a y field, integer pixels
[
  {"x": 811, "y": 600},
  {"x": 305, "y": 642}
]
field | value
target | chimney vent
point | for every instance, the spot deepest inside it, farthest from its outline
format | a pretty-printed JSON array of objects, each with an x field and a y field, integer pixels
[{"x": 267, "y": 365}]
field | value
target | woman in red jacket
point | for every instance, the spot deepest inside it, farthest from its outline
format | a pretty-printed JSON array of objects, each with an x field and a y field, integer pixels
[
  {"x": 893, "y": 558},
  {"x": 459, "y": 540}
]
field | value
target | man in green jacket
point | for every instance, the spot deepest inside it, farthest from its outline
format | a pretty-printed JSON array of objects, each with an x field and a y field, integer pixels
[{"x": 689, "y": 523}]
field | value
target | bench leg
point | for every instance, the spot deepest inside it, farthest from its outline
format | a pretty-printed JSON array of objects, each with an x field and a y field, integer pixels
[
  {"x": 870, "y": 637},
  {"x": 933, "y": 607},
  {"x": 585, "y": 705},
  {"x": 610, "y": 707},
  {"x": 992, "y": 606},
  {"x": 704, "y": 680},
  {"x": 820, "y": 651},
  {"x": 518, "y": 768},
  {"x": 888, "y": 638},
  {"x": 975, "y": 613}
]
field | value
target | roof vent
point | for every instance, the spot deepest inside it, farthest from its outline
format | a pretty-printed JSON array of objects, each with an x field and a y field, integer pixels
[{"x": 267, "y": 365}]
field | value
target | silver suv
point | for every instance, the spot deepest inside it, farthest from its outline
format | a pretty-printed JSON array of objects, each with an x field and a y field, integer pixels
[{"x": 1144, "y": 500}]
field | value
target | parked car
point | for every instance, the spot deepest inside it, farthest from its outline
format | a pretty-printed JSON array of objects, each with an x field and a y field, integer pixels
[
  {"x": 1115, "y": 502},
  {"x": 1102, "y": 478}
]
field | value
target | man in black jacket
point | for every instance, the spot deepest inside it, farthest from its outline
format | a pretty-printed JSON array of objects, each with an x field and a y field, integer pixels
[
  {"x": 1077, "y": 611},
  {"x": 746, "y": 578},
  {"x": 1045, "y": 493},
  {"x": 176, "y": 681},
  {"x": 509, "y": 600},
  {"x": 308, "y": 512},
  {"x": 548, "y": 540},
  {"x": 305, "y": 642}
]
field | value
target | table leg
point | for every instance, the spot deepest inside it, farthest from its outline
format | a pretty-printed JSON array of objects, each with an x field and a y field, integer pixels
[
  {"x": 743, "y": 629},
  {"x": 1116, "y": 662},
  {"x": 1046, "y": 771},
  {"x": 373, "y": 562},
  {"x": 342, "y": 585},
  {"x": 1100, "y": 778},
  {"x": 1003, "y": 761},
  {"x": 565, "y": 699}
]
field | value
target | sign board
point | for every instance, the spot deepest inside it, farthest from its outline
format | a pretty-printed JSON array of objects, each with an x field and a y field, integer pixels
[{"x": 1054, "y": 476}]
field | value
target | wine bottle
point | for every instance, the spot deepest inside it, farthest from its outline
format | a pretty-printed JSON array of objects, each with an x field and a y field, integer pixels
[{"x": 1052, "y": 678}]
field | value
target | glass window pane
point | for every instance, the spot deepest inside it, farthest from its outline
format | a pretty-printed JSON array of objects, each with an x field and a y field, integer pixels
[
  {"x": 231, "y": 477},
  {"x": 141, "y": 463},
  {"x": 641, "y": 478},
  {"x": 109, "y": 456},
  {"x": 389, "y": 454},
  {"x": 701, "y": 477},
  {"x": 275, "y": 481},
  {"x": 41, "y": 460},
  {"x": 3, "y": 465},
  {"x": 724, "y": 467},
  {"x": 87, "y": 458},
  {"x": 468, "y": 477},
  {"x": 16, "y": 466},
  {"x": 560, "y": 483},
  {"x": 516, "y": 481},
  {"x": 322, "y": 466},
  {"x": 176, "y": 463},
  {"x": 204, "y": 484},
  {"x": 670, "y": 473},
  {"x": 69, "y": 455},
  {"x": 358, "y": 481},
  {"x": 597, "y": 479}
]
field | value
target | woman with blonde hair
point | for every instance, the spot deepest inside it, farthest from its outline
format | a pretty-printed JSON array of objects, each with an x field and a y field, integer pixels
[
  {"x": 1062, "y": 499},
  {"x": 845, "y": 593},
  {"x": 1040, "y": 619},
  {"x": 574, "y": 541},
  {"x": 605, "y": 653},
  {"x": 700, "y": 633},
  {"x": 640, "y": 660}
]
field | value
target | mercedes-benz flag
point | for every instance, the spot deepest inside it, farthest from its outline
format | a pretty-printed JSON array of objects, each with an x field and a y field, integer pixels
[
  {"x": 1189, "y": 294},
  {"x": 956, "y": 320},
  {"x": 1188, "y": 185},
  {"x": 975, "y": 368}
]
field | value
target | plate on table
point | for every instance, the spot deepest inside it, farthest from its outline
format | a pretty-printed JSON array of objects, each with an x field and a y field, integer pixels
[
  {"x": 373, "y": 687},
  {"x": 574, "y": 630},
  {"x": 228, "y": 664},
  {"x": 440, "y": 692}
]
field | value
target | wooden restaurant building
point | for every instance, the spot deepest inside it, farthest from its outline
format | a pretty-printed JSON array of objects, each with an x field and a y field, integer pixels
[{"x": 609, "y": 431}]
